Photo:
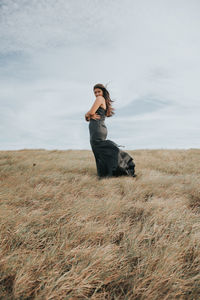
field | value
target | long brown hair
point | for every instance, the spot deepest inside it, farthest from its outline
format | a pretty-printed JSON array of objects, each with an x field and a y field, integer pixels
[{"x": 106, "y": 95}]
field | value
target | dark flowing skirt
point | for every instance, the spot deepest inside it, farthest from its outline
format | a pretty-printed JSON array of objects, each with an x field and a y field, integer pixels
[{"x": 110, "y": 159}]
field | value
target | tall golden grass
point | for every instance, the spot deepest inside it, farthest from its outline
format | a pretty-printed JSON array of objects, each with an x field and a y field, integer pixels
[{"x": 67, "y": 235}]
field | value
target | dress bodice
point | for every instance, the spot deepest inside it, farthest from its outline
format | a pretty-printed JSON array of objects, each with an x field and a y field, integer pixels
[{"x": 102, "y": 112}]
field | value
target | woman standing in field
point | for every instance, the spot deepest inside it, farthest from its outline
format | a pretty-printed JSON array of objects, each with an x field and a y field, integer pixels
[{"x": 110, "y": 160}]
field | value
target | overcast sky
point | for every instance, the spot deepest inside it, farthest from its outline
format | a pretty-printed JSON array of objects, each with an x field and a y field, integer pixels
[{"x": 52, "y": 53}]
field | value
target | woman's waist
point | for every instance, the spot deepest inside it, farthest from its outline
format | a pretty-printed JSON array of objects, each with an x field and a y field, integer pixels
[{"x": 98, "y": 120}]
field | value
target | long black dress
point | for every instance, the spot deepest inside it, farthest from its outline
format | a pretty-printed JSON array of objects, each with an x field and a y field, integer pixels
[{"x": 110, "y": 160}]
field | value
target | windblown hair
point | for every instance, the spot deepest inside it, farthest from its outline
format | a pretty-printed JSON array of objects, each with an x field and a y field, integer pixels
[{"x": 106, "y": 95}]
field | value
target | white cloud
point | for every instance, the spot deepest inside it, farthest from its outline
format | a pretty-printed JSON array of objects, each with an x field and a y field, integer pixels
[{"x": 53, "y": 52}]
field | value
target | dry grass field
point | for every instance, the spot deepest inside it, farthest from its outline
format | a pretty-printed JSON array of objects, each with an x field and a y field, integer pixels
[{"x": 67, "y": 235}]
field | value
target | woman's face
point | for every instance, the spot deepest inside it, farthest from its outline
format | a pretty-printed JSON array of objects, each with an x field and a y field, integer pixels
[{"x": 98, "y": 92}]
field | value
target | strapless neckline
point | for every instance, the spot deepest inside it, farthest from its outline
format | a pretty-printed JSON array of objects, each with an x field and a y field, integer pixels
[{"x": 102, "y": 108}]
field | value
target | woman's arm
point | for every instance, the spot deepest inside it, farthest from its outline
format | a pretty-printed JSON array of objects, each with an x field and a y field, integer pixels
[{"x": 94, "y": 107}]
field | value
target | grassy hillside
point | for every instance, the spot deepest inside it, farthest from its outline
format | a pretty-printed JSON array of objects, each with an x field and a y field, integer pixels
[{"x": 67, "y": 235}]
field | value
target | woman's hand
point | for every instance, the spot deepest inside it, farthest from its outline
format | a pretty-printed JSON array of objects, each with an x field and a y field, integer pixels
[
  {"x": 87, "y": 117},
  {"x": 94, "y": 116}
]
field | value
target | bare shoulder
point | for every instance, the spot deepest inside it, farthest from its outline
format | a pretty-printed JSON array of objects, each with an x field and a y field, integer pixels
[{"x": 100, "y": 99}]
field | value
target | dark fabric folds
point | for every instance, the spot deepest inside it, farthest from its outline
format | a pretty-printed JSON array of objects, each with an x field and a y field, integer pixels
[{"x": 110, "y": 159}]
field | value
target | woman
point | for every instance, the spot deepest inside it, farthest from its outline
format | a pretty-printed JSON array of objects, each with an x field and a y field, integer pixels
[{"x": 110, "y": 160}]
